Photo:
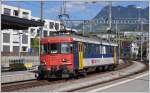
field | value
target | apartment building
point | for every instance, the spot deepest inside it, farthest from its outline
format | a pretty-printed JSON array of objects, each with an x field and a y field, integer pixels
[
  {"x": 49, "y": 27},
  {"x": 20, "y": 40}
]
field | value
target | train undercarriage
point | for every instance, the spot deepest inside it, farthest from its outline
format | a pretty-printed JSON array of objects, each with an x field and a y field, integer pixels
[{"x": 63, "y": 72}]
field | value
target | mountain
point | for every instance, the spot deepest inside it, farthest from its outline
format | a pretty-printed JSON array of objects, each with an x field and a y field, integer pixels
[
  {"x": 119, "y": 12},
  {"x": 123, "y": 12}
]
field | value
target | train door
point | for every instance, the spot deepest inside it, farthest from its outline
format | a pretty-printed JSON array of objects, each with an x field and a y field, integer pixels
[
  {"x": 80, "y": 53},
  {"x": 115, "y": 56},
  {"x": 76, "y": 55}
]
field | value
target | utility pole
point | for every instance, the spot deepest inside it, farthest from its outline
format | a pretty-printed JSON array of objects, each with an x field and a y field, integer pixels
[
  {"x": 118, "y": 37},
  {"x": 109, "y": 20},
  {"x": 141, "y": 23},
  {"x": 110, "y": 14},
  {"x": 91, "y": 26},
  {"x": 0, "y": 39},
  {"x": 41, "y": 16},
  {"x": 41, "y": 27},
  {"x": 83, "y": 28},
  {"x": 141, "y": 40},
  {"x": 116, "y": 30}
]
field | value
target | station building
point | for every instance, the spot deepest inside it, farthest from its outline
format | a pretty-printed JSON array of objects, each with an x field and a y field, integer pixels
[{"x": 20, "y": 40}]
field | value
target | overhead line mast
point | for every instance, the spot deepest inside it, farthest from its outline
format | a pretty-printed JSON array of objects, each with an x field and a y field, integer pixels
[{"x": 110, "y": 14}]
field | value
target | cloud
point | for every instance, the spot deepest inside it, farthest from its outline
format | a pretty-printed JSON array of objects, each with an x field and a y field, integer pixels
[{"x": 75, "y": 6}]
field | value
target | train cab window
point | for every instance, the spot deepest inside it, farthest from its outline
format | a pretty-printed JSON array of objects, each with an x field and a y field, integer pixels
[
  {"x": 53, "y": 48},
  {"x": 66, "y": 48}
]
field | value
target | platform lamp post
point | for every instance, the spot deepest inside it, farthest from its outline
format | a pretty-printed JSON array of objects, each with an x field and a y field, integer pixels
[{"x": 140, "y": 21}]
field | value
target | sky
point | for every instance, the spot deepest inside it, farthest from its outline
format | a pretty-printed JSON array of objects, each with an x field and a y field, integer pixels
[{"x": 77, "y": 10}]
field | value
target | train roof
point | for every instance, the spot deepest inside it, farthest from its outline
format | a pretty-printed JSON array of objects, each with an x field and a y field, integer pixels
[{"x": 84, "y": 39}]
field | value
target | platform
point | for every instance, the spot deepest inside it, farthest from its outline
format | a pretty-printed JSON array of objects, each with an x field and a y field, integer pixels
[{"x": 8, "y": 77}]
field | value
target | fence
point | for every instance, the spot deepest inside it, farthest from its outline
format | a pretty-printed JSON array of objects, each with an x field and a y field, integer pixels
[{"x": 13, "y": 60}]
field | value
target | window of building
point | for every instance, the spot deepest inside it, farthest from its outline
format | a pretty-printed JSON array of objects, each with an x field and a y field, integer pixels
[
  {"x": 56, "y": 26},
  {"x": 6, "y": 48},
  {"x": 7, "y": 11},
  {"x": 145, "y": 38},
  {"x": 25, "y": 31},
  {"x": 24, "y": 48},
  {"x": 45, "y": 26},
  {"x": 15, "y": 48},
  {"x": 32, "y": 31},
  {"x": 45, "y": 33},
  {"x": 38, "y": 32},
  {"x": 6, "y": 37},
  {"x": 24, "y": 39},
  {"x": 49, "y": 33},
  {"x": 25, "y": 15},
  {"x": 51, "y": 25},
  {"x": 16, "y": 13}
]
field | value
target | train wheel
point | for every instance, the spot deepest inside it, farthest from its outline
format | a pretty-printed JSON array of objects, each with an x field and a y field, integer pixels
[
  {"x": 98, "y": 69},
  {"x": 41, "y": 74},
  {"x": 103, "y": 68},
  {"x": 72, "y": 74},
  {"x": 114, "y": 67},
  {"x": 110, "y": 68},
  {"x": 84, "y": 73}
]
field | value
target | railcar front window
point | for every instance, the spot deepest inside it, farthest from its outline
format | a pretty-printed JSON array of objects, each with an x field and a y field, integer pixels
[
  {"x": 53, "y": 48},
  {"x": 66, "y": 48}
]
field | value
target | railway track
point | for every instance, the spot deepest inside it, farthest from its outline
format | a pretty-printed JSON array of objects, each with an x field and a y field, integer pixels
[
  {"x": 34, "y": 83},
  {"x": 141, "y": 71}
]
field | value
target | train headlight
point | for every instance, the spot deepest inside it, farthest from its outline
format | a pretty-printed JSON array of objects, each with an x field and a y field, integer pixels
[
  {"x": 64, "y": 60},
  {"x": 49, "y": 69},
  {"x": 43, "y": 63}
]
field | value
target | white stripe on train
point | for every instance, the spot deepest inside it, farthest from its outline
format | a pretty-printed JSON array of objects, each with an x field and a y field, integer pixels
[{"x": 97, "y": 61}]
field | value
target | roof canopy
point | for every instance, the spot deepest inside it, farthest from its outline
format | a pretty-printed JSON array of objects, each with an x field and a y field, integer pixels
[{"x": 11, "y": 22}]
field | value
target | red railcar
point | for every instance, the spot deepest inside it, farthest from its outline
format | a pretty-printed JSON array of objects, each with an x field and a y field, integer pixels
[{"x": 56, "y": 56}]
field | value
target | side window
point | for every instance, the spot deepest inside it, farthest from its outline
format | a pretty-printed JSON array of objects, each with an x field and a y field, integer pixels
[
  {"x": 89, "y": 48},
  {"x": 103, "y": 50},
  {"x": 100, "y": 49},
  {"x": 97, "y": 49},
  {"x": 112, "y": 50}
]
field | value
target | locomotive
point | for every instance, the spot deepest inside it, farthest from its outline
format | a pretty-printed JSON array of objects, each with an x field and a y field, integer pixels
[{"x": 71, "y": 56}]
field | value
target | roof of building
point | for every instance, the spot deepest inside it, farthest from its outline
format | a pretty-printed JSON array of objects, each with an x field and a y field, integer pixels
[{"x": 11, "y": 22}]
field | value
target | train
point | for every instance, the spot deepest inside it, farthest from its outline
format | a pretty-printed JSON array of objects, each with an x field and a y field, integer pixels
[{"x": 73, "y": 56}]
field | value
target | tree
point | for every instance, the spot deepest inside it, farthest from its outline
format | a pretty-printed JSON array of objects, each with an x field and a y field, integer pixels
[{"x": 35, "y": 44}]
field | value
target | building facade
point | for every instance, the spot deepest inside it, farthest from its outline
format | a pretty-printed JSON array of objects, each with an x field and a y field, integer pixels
[{"x": 20, "y": 40}]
